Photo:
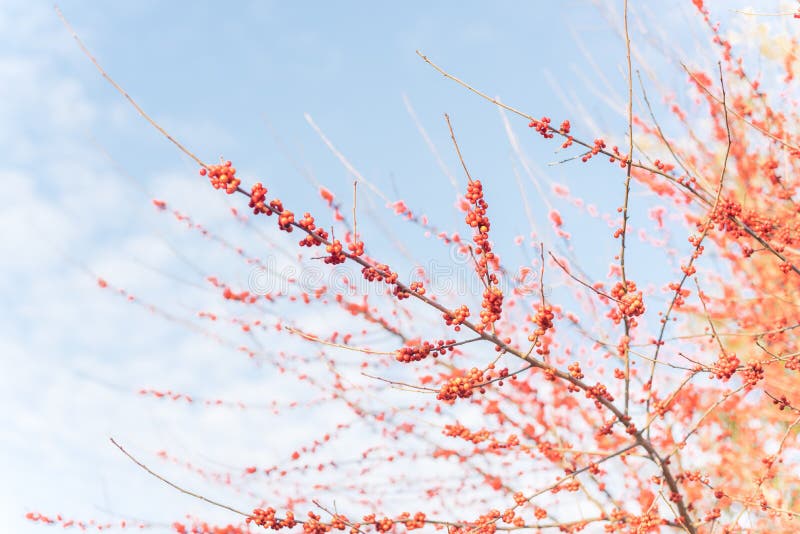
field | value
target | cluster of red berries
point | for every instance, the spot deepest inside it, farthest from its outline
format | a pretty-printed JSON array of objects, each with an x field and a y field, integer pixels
[
  {"x": 753, "y": 373},
  {"x": 419, "y": 352},
  {"x": 485, "y": 524},
  {"x": 543, "y": 321},
  {"x": 379, "y": 273},
  {"x": 285, "y": 220},
  {"x": 222, "y": 176},
  {"x": 258, "y": 202},
  {"x": 681, "y": 294},
  {"x": 543, "y": 127},
  {"x": 492, "y": 306},
  {"x": 338, "y": 522},
  {"x": 460, "y": 431},
  {"x": 476, "y": 216},
  {"x": 356, "y": 248},
  {"x": 663, "y": 167},
  {"x": 312, "y": 525},
  {"x": 382, "y": 273},
  {"x": 629, "y": 302},
  {"x": 575, "y": 370},
  {"x": 400, "y": 293},
  {"x": 461, "y": 387},
  {"x": 337, "y": 255},
  {"x": 782, "y": 403},
  {"x": 457, "y": 317},
  {"x": 316, "y": 235},
  {"x": 623, "y": 160},
  {"x": 598, "y": 392},
  {"x": 727, "y": 209},
  {"x": 381, "y": 525},
  {"x": 412, "y": 523},
  {"x": 510, "y": 516},
  {"x": 258, "y": 198},
  {"x": 726, "y": 365},
  {"x": 649, "y": 521},
  {"x": 599, "y": 145},
  {"x": 417, "y": 288},
  {"x": 266, "y": 518},
  {"x": 244, "y": 296}
]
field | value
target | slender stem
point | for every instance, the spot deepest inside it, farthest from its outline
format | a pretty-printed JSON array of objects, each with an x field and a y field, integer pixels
[
  {"x": 175, "y": 486},
  {"x": 626, "y": 320}
]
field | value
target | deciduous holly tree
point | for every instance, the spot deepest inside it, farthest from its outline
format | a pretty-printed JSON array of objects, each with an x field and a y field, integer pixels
[{"x": 542, "y": 398}]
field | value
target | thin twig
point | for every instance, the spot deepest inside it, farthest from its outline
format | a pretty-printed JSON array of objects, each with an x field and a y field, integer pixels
[
  {"x": 585, "y": 284},
  {"x": 122, "y": 91},
  {"x": 355, "y": 224},
  {"x": 458, "y": 150},
  {"x": 175, "y": 486},
  {"x": 626, "y": 319}
]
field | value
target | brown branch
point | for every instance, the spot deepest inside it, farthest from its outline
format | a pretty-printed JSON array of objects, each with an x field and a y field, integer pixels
[
  {"x": 122, "y": 91},
  {"x": 626, "y": 319},
  {"x": 175, "y": 486}
]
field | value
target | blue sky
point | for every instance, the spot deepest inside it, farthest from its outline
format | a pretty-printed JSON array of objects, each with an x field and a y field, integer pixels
[{"x": 80, "y": 167}]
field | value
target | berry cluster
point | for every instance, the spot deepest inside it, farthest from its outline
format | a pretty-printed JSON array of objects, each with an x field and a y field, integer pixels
[
  {"x": 337, "y": 255},
  {"x": 258, "y": 197},
  {"x": 222, "y": 176},
  {"x": 598, "y": 392},
  {"x": 599, "y": 145},
  {"x": 575, "y": 370},
  {"x": 782, "y": 403},
  {"x": 492, "y": 306},
  {"x": 630, "y": 303},
  {"x": 412, "y": 523},
  {"x": 417, "y": 288},
  {"x": 460, "y": 431},
  {"x": 244, "y": 296},
  {"x": 356, "y": 248},
  {"x": 726, "y": 365},
  {"x": 680, "y": 294},
  {"x": 382, "y": 273},
  {"x": 753, "y": 373},
  {"x": 663, "y": 167},
  {"x": 476, "y": 215},
  {"x": 315, "y": 236},
  {"x": 285, "y": 220},
  {"x": 457, "y": 317},
  {"x": 312, "y": 525},
  {"x": 618, "y": 157},
  {"x": 419, "y": 352},
  {"x": 381, "y": 525},
  {"x": 266, "y": 518},
  {"x": 461, "y": 387},
  {"x": 543, "y": 127},
  {"x": 543, "y": 321}
]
